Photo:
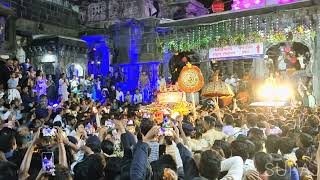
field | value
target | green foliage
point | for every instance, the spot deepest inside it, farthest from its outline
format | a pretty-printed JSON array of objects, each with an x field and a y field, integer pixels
[{"x": 208, "y": 40}]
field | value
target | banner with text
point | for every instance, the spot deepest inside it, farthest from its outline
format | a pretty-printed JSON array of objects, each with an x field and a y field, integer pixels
[{"x": 230, "y": 52}]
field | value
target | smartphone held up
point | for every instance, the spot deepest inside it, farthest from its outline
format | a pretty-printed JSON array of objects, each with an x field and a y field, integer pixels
[
  {"x": 49, "y": 132},
  {"x": 48, "y": 162}
]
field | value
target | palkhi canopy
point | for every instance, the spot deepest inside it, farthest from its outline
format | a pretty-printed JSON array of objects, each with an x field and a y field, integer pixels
[{"x": 217, "y": 88}]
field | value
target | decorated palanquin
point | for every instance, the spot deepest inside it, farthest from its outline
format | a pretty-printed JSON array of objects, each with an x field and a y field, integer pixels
[
  {"x": 172, "y": 99},
  {"x": 170, "y": 94},
  {"x": 158, "y": 110},
  {"x": 169, "y": 101}
]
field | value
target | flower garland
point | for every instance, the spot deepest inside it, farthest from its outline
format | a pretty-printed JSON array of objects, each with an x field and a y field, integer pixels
[{"x": 209, "y": 41}]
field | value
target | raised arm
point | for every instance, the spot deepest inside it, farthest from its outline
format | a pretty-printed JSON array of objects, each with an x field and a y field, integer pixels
[
  {"x": 98, "y": 118},
  {"x": 138, "y": 170},
  {"x": 189, "y": 166},
  {"x": 2, "y": 156},
  {"x": 234, "y": 166},
  {"x": 25, "y": 165},
  {"x": 102, "y": 132},
  {"x": 182, "y": 134},
  {"x": 185, "y": 154},
  {"x": 124, "y": 139},
  {"x": 62, "y": 150},
  {"x": 217, "y": 111}
]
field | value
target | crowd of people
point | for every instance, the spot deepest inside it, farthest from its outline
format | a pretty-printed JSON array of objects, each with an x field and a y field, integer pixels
[{"x": 83, "y": 137}]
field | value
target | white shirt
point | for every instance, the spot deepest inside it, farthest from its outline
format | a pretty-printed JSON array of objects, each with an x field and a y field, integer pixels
[
  {"x": 196, "y": 144},
  {"x": 137, "y": 98},
  {"x": 234, "y": 166},
  {"x": 119, "y": 96},
  {"x": 248, "y": 165},
  {"x": 21, "y": 55},
  {"x": 228, "y": 130},
  {"x": 275, "y": 130},
  {"x": 58, "y": 118},
  {"x": 312, "y": 101},
  {"x": 292, "y": 156},
  {"x": 98, "y": 84},
  {"x": 174, "y": 152},
  {"x": 231, "y": 81},
  {"x": 160, "y": 83},
  {"x": 2, "y": 109},
  {"x": 82, "y": 81},
  {"x": 68, "y": 129},
  {"x": 74, "y": 83},
  {"x": 18, "y": 114},
  {"x": 63, "y": 87}
]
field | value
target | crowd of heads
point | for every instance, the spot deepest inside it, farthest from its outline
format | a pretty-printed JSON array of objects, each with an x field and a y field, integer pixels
[{"x": 80, "y": 137}]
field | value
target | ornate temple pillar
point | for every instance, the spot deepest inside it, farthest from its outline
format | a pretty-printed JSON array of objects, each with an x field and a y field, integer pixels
[
  {"x": 229, "y": 66},
  {"x": 167, "y": 55},
  {"x": 259, "y": 69},
  {"x": 316, "y": 69},
  {"x": 205, "y": 65}
]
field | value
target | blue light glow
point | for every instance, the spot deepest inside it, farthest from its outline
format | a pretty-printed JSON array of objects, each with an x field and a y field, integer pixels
[
  {"x": 135, "y": 43},
  {"x": 101, "y": 55},
  {"x": 132, "y": 74},
  {"x": 130, "y": 71}
]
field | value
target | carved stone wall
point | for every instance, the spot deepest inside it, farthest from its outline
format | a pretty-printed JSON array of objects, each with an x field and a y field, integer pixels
[
  {"x": 117, "y": 10},
  {"x": 135, "y": 41},
  {"x": 28, "y": 26}
]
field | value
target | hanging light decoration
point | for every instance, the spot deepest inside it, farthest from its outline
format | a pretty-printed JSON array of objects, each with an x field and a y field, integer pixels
[{"x": 217, "y": 6}]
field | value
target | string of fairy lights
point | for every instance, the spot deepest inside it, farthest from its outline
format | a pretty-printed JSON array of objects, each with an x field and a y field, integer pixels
[{"x": 258, "y": 28}]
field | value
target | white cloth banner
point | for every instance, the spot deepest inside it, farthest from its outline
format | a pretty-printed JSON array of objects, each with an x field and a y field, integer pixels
[{"x": 254, "y": 49}]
